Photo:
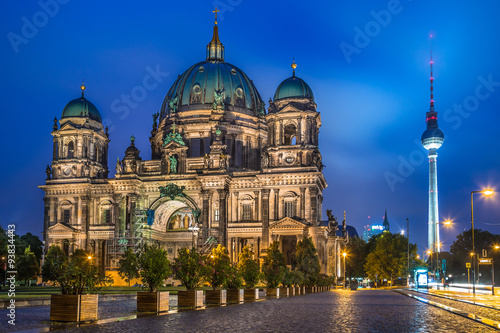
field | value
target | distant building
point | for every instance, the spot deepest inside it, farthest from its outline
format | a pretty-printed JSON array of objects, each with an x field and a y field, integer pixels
[{"x": 376, "y": 229}]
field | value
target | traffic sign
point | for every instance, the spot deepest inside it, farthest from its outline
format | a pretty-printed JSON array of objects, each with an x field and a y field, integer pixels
[
  {"x": 467, "y": 264},
  {"x": 484, "y": 253},
  {"x": 485, "y": 261}
]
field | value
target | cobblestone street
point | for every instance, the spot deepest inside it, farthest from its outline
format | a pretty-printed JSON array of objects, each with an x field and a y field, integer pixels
[{"x": 361, "y": 311}]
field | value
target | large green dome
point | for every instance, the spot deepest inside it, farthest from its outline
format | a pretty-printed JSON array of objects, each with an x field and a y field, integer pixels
[
  {"x": 199, "y": 84},
  {"x": 81, "y": 107},
  {"x": 293, "y": 87}
]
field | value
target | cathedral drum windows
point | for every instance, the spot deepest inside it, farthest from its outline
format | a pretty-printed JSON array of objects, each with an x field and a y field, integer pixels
[{"x": 70, "y": 150}]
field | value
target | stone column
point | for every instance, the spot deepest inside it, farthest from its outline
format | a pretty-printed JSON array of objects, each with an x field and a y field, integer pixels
[
  {"x": 265, "y": 218},
  {"x": 223, "y": 216},
  {"x": 85, "y": 220},
  {"x": 313, "y": 192},
  {"x": 55, "y": 206},
  {"x": 115, "y": 219},
  {"x": 299, "y": 133},
  {"x": 276, "y": 204},
  {"x": 74, "y": 213},
  {"x": 237, "y": 206},
  {"x": 256, "y": 200},
  {"x": 46, "y": 219},
  {"x": 303, "y": 202},
  {"x": 205, "y": 213}
]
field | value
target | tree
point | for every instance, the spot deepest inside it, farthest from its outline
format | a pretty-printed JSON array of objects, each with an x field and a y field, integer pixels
[
  {"x": 34, "y": 243},
  {"x": 154, "y": 266},
  {"x": 355, "y": 261},
  {"x": 249, "y": 268},
  {"x": 80, "y": 275},
  {"x": 54, "y": 263},
  {"x": 234, "y": 279},
  {"x": 462, "y": 247},
  {"x": 188, "y": 268},
  {"x": 274, "y": 265},
  {"x": 306, "y": 260},
  {"x": 27, "y": 266},
  {"x": 217, "y": 265},
  {"x": 128, "y": 267},
  {"x": 388, "y": 259}
]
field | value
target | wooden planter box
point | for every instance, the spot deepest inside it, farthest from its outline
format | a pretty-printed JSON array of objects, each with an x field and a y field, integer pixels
[
  {"x": 273, "y": 292},
  {"x": 190, "y": 298},
  {"x": 73, "y": 307},
  {"x": 251, "y": 294},
  {"x": 309, "y": 290},
  {"x": 285, "y": 292},
  {"x": 215, "y": 297},
  {"x": 292, "y": 292},
  {"x": 297, "y": 291},
  {"x": 235, "y": 295},
  {"x": 152, "y": 302}
]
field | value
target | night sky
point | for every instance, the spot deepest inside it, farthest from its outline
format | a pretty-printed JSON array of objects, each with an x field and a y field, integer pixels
[{"x": 367, "y": 63}]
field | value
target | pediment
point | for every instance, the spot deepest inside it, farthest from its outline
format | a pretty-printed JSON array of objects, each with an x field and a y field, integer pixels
[
  {"x": 67, "y": 127},
  {"x": 61, "y": 228},
  {"x": 288, "y": 223},
  {"x": 290, "y": 108},
  {"x": 172, "y": 145}
]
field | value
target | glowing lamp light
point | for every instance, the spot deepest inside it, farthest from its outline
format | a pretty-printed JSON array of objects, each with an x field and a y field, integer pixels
[
  {"x": 496, "y": 247},
  {"x": 344, "y": 254},
  {"x": 89, "y": 257},
  {"x": 447, "y": 222},
  {"x": 488, "y": 192},
  {"x": 472, "y": 254}
]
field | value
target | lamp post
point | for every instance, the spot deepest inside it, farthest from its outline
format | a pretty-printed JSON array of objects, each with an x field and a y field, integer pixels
[
  {"x": 487, "y": 193},
  {"x": 437, "y": 246},
  {"x": 345, "y": 283},
  {"x": 408, "y": 252}
]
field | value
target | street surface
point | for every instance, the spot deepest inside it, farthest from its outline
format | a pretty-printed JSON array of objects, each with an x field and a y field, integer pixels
[{"x": 334, "y": 311}]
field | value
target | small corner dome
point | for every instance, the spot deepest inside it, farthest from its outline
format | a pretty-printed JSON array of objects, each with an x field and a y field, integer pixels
[
  {"x": 293, "y": 87},
  {"x": 81, "y": 107}
]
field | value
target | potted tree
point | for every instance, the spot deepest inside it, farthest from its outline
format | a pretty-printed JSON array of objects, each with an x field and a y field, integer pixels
[
  {"x": 216, "y": 273},
  {"x": 187, "y": 268},
  {"x": 233, "y": 285},
  {"x": 79, "y": 279},
  {"x": 287, "y": 283},
  {"x": 154, "y": 268},
  {"x": 250, "y": 272},
  {"x": 128, "y": 268},
  {"x": 273, "y": 269},
  {"x": 306, "y": 260}
]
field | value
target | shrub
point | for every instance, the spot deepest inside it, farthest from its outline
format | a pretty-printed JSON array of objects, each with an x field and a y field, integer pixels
[
  {"x": 187, "y": 268},
  {"x": 274, "y": 266},
  {"x": 234, "y": 280},
  {"x": 217, "y": 266},
  {"x": 249, "y": 268},
  {"x": 128, "y": 267},
  {"x": 154, "y": 266}
]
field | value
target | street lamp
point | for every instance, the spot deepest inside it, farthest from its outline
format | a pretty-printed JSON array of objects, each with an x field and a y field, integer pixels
[
  {"x": 345, "y": 284},
  {"x": 486, "y": 192},
  {"x": 437, "y": 246}
]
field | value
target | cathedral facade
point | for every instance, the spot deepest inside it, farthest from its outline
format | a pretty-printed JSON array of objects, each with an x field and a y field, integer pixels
[{"x": 223, "y": 170}]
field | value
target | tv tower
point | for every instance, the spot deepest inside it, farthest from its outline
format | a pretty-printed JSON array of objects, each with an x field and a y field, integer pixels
[{"x": 432, "y": 139}]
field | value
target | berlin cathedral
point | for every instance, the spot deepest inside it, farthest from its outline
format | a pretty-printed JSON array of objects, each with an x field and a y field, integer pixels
[{"x": 223, "y": 170}]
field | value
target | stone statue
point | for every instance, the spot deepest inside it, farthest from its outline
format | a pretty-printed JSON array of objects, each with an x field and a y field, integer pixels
[
  {"x": 173, "y": 105},
  {"x": 155, "y": 120},
  {"x": 330, "y": 215},
  {"x": 206, "y": 160},
  {"x": 218, "y": 98},
  {"x": 118, "y": 166},
  {"x": 86, "y": 169},
  {"x": 133, "y": 166},
  {"x": 265, "y": 160},
  {"x": 223, "y": 161},
  {"x": 48, "y": 171},
  {"x": 173, "y": 164}
]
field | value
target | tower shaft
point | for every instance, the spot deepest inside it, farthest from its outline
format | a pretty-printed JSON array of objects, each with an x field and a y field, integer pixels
[{"x": 433, "y": 228}]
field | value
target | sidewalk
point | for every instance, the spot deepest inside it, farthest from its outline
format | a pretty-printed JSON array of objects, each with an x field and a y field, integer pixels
[{"x": 483, "y": 299}]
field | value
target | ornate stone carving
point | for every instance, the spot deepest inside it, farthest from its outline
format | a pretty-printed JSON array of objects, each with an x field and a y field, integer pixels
[{"x": 172, "y": 191}]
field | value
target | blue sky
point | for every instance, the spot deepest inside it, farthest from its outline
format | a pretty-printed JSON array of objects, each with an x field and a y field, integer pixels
[{"x": 372, "y": 99}]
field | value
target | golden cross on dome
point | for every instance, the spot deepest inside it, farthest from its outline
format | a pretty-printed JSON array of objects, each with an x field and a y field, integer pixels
[
  {"x": 215, "y": 11},
  {"x": 173, "y": 128}
]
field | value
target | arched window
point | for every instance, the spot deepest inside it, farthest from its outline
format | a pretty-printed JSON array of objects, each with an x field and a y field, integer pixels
[
  {"x": 290, "y": 133},
  {"x": 71, "y": 150}
]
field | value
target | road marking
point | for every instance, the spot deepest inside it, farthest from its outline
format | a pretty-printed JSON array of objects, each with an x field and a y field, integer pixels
[{"x": 488, "y": 322}]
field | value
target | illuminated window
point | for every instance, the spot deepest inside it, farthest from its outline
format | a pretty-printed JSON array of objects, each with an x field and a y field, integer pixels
[
  {"x": 247, "y": 212},
  {"x": 289, "y": 209},
  {"x": 216, "y": 215}
]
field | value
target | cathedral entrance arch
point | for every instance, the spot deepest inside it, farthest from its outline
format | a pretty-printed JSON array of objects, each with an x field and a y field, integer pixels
[{"x": 174, "y": 213}]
